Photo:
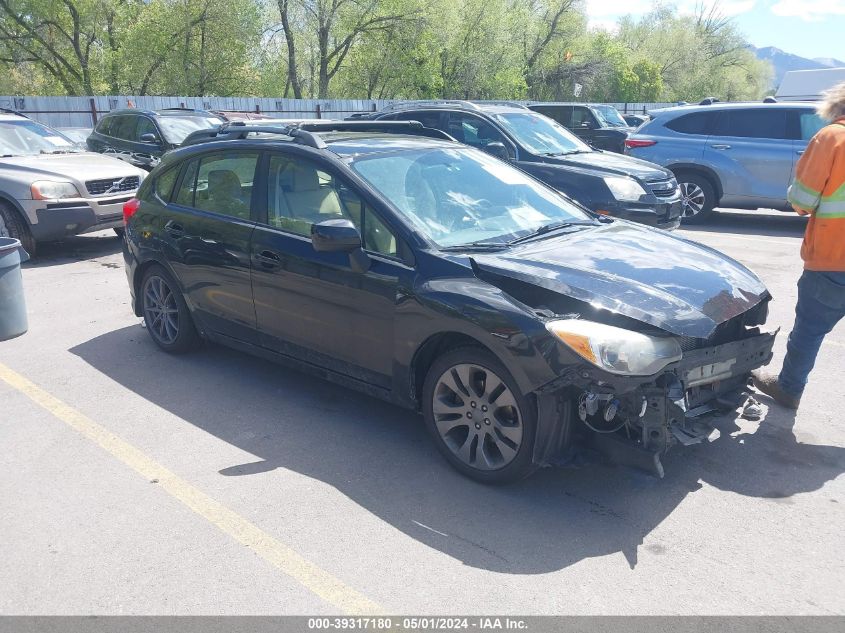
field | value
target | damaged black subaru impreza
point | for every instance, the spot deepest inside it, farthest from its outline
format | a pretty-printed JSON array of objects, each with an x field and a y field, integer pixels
[{"x": 389, "y": 258}]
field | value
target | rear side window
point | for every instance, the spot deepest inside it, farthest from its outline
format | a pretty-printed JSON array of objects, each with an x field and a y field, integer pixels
[
  {"x": 123, "y": 127},
  {"x": 220, "y": 183},
  {"x": 164, "y": 183},
  {"x": 694, "y": 123},
  {"x": 767, "y": 123},
  {"x": 104, "y": 126},
  {"x": 561, "y": 114}
]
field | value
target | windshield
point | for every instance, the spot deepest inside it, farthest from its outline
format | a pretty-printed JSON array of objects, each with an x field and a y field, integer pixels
[
  {"x": 176, "y": 129},
  {"x": 464, "y": 196},
  {"x": 541, "y": 134},
  {"x": 611, "y": 116},
  {"x": 25, "y": 138}
]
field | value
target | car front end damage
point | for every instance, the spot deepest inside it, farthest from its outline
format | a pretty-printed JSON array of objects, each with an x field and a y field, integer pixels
[{"x": 635, "y": 420}]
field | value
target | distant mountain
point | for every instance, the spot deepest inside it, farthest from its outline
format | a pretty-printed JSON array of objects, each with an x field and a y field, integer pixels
[
  {"x": 784, "y": 62},
  {"x": 830, "y": 62}
]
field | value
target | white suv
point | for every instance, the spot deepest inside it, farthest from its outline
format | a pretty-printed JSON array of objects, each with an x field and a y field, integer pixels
[{"x": 49, "y": 188}]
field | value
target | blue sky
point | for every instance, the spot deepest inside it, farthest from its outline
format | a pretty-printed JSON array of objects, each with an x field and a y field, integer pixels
[{"x": 810, "y": 28}]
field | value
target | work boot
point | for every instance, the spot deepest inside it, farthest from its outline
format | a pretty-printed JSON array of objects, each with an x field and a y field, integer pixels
[{"x": 769, "y": 385}]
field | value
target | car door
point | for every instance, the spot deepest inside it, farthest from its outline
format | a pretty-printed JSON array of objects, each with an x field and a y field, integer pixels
[
  {"x": 147, "y": 142},
  {"x": 206, "y": 232},
  {"x": 311, "y": 305},
  {"x": 752, "y": 154}
]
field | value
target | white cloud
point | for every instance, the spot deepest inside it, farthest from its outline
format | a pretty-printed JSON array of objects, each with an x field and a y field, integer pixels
[{"x": 809, "y": 10}]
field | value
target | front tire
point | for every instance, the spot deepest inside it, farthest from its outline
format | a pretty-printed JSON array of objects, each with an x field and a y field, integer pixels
[
  {"x": 479, "y": 419},
  {"x": 698, "y": 198},
  {"x": 166, "y": 314},
  {"x": 12, "y": 225}
]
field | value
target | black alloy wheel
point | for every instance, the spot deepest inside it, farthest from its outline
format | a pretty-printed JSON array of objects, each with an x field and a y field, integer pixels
[{"x": 166, "y": 314}]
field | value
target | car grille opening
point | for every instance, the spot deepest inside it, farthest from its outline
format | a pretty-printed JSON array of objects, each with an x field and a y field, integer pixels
[
  {"x": 112, "y": 185},
  {"x": 663, "y": 188}
]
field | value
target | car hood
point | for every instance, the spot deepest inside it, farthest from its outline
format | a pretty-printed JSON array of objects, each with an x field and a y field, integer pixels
[
  {"x": 78, "y": 167},
  {"x": 611, "y": 163},
  {"x": 646, "y": 274}
]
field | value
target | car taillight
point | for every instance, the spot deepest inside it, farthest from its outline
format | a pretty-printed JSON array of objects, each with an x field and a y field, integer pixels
[
  {"x": 630, "y": 143},
  {"x": 129, "y": 209}
]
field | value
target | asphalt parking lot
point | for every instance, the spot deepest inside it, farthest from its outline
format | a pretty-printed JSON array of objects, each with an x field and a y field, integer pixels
[{"x": 216, "y": 483}]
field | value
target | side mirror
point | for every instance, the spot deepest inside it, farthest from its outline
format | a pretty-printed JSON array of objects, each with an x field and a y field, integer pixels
[
  {"x": 340, "y": 236},
  {"x": 149, "y": 137},
  {"x": 497, "y": 149}
]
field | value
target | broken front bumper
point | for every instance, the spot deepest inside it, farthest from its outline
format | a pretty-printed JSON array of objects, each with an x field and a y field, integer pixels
[{"x": 664, "y": 412}]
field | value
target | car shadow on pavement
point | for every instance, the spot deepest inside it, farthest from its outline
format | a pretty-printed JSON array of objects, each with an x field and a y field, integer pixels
[
  {"x": 76, "y": 248},
  {"x": 381, "y": 457},
  {"x": 754, "y": 223}
]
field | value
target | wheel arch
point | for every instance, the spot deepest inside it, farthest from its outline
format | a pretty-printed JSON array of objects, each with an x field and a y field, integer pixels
[
  {"x": 701, "y": 170},
  {"x": 432, "y": 348}
]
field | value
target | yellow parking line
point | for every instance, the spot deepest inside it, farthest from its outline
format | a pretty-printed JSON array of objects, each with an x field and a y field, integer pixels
[{"x": 273, "y": 551}]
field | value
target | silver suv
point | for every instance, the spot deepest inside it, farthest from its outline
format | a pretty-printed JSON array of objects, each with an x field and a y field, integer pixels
[
  {"x": 50, "y": 188},
  {"x": 737, "y": 155}
]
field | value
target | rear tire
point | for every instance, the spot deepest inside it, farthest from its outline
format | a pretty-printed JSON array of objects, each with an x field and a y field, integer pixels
[
  {"x": 13, "y": 225},
  {"x": 166, "y": 315},
  {"x": 480, "y": 421},
  {"x": 698, "y": 197}
]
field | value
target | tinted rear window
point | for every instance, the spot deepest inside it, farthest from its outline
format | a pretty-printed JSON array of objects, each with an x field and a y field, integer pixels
[
  {"x": 753, "y": 123},
  {"x": 694, "y": 123}
]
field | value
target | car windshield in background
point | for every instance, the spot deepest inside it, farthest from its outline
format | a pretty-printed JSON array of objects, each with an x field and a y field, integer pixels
[
  {"x": 541, "y": 134},
  {"x": 25, "y": 138},
  {"x": 464, "y": 196},
  {"x": 176, "y": 129},
  {"x": 611, "y": 116}
]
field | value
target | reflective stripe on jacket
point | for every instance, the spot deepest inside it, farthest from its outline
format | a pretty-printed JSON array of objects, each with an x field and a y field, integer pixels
[{"x": 819, "y": 190}]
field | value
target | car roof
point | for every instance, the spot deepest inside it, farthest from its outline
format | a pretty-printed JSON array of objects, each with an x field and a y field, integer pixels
[
  {"x": 732, "y": 106},
  {"x": 359, "y": 143},
  {"x": 165, "y": 112},
  {"x": 479, "y": 107}
]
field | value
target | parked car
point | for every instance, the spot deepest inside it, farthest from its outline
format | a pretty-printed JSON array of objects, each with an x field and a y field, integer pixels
[
  {"x": 598, "y": 125},
  {"x": 388, "y": 258},
  {"x": 603, "y": 182},
  {"x": 141, "y": 137},
  {"x": 50, "y": 189},
  {"x": 636, "y": 120},
  {"x": 739, "y": 155}
]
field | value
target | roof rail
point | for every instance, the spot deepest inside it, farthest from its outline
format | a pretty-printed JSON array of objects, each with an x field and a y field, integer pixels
[
  {"x": 13, "y": 111},
  {"x": 307, "y": 133},
  {"x": 770, "y": 99},
  {"x": 432, "y": 103},
  {"x": 512, "y": 104},
  {"x": 708, "y": 101}
]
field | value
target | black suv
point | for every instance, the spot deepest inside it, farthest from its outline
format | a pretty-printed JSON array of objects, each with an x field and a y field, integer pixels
[
  {"x": 141, "y": 137},
  {"x": 605, "y": 183},
  {"x": 600, "y": 125},
  {"x": 393, "y": 260}
]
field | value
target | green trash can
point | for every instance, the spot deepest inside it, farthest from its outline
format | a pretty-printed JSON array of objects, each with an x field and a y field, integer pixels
[{"x": 12, "y": 305}]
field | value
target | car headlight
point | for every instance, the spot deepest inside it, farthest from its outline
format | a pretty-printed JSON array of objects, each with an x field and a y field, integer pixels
[
  {"x": 615, "y": 349},
  {"x": 51, "y": 190},
  {"x": 624, "y": 188}
]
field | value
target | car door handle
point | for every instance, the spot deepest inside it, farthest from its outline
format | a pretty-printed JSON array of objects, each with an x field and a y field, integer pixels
[
  {"x": 269, "y": 259},
  {"x": 174, "y": 229},
  {"x": 799, "y": 151},
  {"x": 720, "y": 146}
]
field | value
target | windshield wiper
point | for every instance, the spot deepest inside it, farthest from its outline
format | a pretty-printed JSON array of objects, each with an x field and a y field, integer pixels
[
  {"x": 548, "y": 228},
  {"x": 486, "y": 246}
]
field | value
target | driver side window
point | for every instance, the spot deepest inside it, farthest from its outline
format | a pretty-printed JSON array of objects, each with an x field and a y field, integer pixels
[
  {"x": 473, "y": 131},
  {"x": 300, "y": 194}
]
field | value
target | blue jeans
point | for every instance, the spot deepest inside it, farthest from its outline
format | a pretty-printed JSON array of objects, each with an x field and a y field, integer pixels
[{"x": 821, "y": 305}]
